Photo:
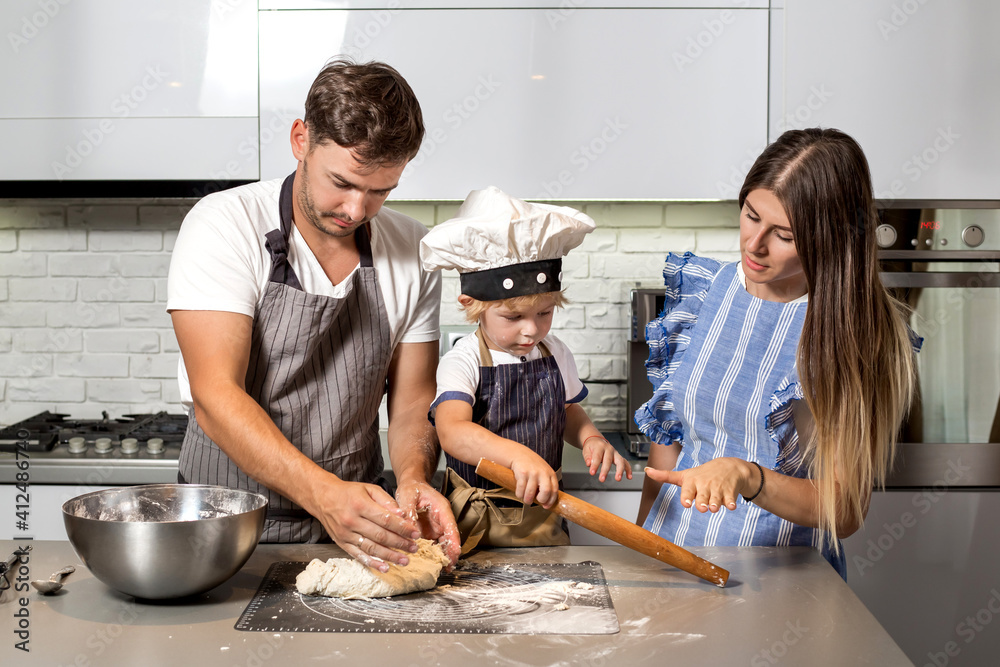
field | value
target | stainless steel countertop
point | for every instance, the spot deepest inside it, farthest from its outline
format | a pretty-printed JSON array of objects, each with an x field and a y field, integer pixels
[{"x": 782, "y": 605}]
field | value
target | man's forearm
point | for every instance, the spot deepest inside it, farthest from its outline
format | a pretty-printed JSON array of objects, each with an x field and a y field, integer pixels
[
  {"x": 413, "y": 444},
  {"x": 413, "y": 447}
]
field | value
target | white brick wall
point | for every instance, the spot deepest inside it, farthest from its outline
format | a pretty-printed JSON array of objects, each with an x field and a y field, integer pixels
[
  {"x": 83, "y": 292},
  {"x": 81, "y": 310},
  {"x": 8, "y": 240}
]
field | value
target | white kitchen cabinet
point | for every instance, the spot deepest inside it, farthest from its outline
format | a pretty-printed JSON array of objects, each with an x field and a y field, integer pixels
[
  {"x": 45, "y": 519},
  {"x": 209, "y": 149},
  {"x": 915, "y": 82},
  {"x": 159, "y": 89},
  {"x": 602, "y": 104}
]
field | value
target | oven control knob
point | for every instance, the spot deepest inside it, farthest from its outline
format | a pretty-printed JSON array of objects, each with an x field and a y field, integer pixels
[
  {"x": 102, "y": 445},
  {"x": 973, "y": 236},
  {"x": 130, "y": 446},
  {"x": 154, "y": 445},
  {"x": 885, "y": 235},
  {"x": 77, "y": 445}
]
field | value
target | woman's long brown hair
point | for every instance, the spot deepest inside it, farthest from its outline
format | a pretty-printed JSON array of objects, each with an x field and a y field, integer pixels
[{"x": 855, "y": 359}]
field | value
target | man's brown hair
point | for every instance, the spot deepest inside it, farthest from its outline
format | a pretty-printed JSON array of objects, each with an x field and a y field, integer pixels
[{"x": 368, "y": 108}]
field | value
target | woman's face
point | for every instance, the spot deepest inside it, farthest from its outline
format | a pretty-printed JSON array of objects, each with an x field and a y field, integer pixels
[{"x": 767, "y": 249}]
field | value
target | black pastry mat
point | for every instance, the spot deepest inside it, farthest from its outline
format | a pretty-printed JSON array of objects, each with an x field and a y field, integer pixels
[{"x": 476, "y": 598}]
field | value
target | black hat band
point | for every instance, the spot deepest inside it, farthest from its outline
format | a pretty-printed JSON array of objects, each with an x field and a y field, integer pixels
[{"x": 506, "y": 282}]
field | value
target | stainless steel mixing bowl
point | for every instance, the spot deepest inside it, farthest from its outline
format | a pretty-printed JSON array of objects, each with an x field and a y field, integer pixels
[{"x": 162, "y": 541}]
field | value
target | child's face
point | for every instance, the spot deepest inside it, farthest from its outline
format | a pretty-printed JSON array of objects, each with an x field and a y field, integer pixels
[{"x": 517, "y": 331}]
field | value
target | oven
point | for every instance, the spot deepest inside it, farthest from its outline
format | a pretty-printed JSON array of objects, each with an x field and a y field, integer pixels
[
  {"x": 925, "y": 562},
  {"x": 945, "y": 265},
  {"x": 49, "y": 458}
]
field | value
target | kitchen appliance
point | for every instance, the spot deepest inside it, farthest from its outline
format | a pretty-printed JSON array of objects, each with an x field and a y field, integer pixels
[
  {"x": 57, "y": 445},
  {"x": 163, "y": 541},
  {"x": 936, "y": 522},
  {"x": 945, "y": 264},
  {"x": 645, "y": 305}
]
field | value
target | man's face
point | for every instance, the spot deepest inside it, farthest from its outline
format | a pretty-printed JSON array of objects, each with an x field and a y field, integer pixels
[{"x": 337, "y": 194}]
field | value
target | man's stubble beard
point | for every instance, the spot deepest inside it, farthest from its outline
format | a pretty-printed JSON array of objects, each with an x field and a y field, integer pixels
[{"x": 314, "y": 217}]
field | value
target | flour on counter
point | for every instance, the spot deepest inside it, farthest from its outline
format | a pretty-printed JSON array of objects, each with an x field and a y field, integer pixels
[{"x": 347, "y": 578}]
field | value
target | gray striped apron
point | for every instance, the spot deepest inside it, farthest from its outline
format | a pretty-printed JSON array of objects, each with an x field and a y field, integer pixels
[{"x": 318, "y": 367}]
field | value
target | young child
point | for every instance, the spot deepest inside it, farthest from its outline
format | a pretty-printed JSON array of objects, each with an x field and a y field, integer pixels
[{"x": 510, "y": 391}]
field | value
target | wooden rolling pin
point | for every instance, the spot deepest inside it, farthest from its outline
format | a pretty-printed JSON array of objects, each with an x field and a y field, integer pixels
[{"x": 615, "y": 528}]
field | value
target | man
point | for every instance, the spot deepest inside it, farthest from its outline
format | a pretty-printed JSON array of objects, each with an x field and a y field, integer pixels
[{"x": 297, "y": 304}]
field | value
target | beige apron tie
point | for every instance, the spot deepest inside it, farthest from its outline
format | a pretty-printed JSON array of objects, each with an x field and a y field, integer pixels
[{"x": 482, "y": 522}]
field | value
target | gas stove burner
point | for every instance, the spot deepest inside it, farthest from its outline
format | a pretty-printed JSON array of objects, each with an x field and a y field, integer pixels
[
  {"x": 45, "y": 431},
  {"x": 142, "y": 427},
  {"x": 35, "y": 434}
]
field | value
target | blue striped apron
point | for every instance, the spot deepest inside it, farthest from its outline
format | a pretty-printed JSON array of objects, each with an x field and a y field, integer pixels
[{"x": 524, "y": 402}]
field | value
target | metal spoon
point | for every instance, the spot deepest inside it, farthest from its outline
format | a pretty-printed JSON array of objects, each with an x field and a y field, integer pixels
[{"x": 54, "y": 584}]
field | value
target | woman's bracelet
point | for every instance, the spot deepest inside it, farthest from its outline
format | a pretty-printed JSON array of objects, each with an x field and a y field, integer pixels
[
  {"x": 761, "y": 470},
  {"x": 593, "y": 436}
]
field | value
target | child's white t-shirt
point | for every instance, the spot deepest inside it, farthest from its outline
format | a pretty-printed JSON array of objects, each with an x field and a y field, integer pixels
[{"x": 458, "y": 371}]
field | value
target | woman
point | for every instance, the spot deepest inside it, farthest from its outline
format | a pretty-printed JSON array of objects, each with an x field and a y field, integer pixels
[{"x": 783, "y": 377}]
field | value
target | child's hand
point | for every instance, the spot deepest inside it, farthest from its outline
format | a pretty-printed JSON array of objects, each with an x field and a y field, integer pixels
[
  {"x": 599, "y": 454},
  {"x": 536, "y": 480}
]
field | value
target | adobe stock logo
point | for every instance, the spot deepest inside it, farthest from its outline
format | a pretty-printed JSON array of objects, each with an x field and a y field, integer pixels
[
  {"x": 899, "y": 17},
  {"x": 697, "y": 44},
  {"x": 31, "y": 25}
]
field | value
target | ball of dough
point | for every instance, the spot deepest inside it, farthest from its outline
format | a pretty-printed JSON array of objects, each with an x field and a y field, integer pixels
[{"x": 347, "y": 578}]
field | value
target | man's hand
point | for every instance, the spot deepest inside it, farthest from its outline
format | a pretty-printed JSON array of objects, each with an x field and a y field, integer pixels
[
  {"x": 366, "y": 523},
  {"x": 433, "y": 516}
]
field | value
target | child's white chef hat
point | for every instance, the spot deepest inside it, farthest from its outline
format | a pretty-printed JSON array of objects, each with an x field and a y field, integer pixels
[{"x": 504, "y": 247}]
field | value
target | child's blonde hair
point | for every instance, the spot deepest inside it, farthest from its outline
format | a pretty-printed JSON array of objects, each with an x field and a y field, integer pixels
[{"x": 475, "y": 309}]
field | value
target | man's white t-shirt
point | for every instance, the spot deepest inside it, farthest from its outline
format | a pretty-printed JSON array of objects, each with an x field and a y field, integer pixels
[
  {"x": 219, "y": 262},
  {"x": 458, "y": 372}
]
